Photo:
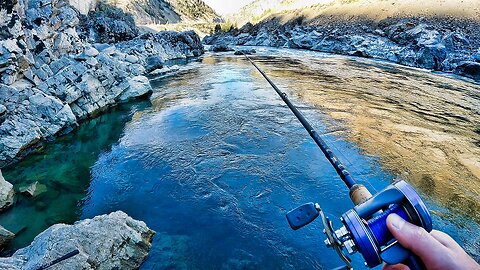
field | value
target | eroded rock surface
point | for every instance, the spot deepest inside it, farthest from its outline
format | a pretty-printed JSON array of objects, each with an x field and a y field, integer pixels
[
  {"x": 113, "y": 241},
  {"x": 51, "y": 77},
  {"x": 6, "y": 193}
]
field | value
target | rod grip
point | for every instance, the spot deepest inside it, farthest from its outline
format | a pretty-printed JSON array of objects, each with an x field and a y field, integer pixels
[{"x": 359, "y": 194}]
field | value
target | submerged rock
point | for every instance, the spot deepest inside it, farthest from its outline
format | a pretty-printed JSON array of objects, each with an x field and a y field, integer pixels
[
  {"x": 5, "y": 237},
  {"x": 7, "y": 193},
  {"x": 113, "y": 241},
  {"x": 33, "y": 190}
]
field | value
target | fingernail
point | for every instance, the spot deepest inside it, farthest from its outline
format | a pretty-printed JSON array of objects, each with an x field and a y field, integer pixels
[{"x": 396, "y": 221}]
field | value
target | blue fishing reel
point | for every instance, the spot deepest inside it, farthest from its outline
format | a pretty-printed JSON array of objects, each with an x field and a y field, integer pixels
[{"x": 364, "y": 227}]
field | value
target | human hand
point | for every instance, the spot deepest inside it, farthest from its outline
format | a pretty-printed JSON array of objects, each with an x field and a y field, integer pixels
[{"x": 436, "y": 249}]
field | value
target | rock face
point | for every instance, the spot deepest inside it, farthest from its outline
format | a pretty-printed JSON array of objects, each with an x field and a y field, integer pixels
[
  {"x": 155, "y": 11},
  {"x": 51, "y": 77},
  {"x": 114, "y": 241},
  {"x": 6, "y": 193},
  {"x": 107, "y": 24},
  {"x": 437, "y": 43},
  {"x": 5, "y": 237}
]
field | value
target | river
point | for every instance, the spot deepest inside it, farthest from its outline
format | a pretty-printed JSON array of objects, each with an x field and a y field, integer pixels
[{"x": 214, "y": 160}]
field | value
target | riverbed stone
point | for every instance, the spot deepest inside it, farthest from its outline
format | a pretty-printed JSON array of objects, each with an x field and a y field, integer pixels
[
  {"x": 113, "y": 241},
  {"x": 91, "y": 52},
  {"x": 247, "y": 51},
  {"x": 5, "y": 237},
  {"x": 7, "y": 193},
  {"x": 33, "y": 190}
]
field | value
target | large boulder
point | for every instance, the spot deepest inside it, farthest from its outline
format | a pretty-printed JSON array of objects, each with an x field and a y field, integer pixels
[
  {"x": 6, "y": 193},
  {"x": 113, "y": 241},
  {"x": 138, "y": 86}
]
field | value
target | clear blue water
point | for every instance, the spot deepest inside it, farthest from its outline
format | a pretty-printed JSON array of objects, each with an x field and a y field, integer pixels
[{"x": 212, "y": 164}]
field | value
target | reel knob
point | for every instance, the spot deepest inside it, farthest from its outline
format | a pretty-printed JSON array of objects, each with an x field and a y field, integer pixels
[
  {"x": 366, "y": 223},
  {"x": 365, "y": 229}
]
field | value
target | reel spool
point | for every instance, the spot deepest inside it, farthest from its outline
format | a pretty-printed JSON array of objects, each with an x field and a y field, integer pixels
[{"x": 364, "y": 227}]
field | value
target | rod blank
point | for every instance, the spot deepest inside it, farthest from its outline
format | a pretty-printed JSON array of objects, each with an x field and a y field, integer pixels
[{"x": 332, "y": 158}]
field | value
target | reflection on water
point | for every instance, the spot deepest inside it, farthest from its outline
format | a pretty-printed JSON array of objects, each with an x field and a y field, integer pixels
[
  {"x": 217, "y": 159},
  {"x": 424, "y": 127}
]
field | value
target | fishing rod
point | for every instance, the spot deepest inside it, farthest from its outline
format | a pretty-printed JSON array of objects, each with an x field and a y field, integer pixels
[
  {"x": 58, "y": 260},
  {"x": 364, "y": 227}
]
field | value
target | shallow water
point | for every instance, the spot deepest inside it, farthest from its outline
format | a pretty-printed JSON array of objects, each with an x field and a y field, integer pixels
[{"x": 212, "y": 164}]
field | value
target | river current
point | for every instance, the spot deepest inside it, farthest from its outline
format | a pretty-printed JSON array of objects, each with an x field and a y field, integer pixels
[{"x": 212, "y": 163}]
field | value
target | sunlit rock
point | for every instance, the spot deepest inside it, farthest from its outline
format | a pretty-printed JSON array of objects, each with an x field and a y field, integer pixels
[
  {"x": 113, "y": 241},
  {"x": 6, "y": 193}
]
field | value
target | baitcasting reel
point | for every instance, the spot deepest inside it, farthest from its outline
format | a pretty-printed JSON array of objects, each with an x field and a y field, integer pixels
[{"x": 364, "y": 227}]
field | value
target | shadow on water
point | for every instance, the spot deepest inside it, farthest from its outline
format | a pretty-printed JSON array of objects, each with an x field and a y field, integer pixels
[{"x": 64, "y": 167}]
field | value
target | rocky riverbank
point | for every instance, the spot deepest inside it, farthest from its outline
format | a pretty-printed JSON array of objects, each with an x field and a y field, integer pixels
[
  {"x": 54, "y": 73},
  {"x": 449, "y": 44},
  {"x": 114, "y": 241}
]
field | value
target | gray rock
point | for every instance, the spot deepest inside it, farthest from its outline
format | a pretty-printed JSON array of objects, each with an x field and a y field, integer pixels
[
  {"x": 476, "y": 56},
  {"x": 67, "y": 79},
  {"x": 221, "y": 48},
  {"x": 3, "y": 113},
  {"x": 131, "y": 59},
  {"x": 432, "y": 56},
  {"x": 469, "y": 69},
  {"x": 113, "y": 241},
  {"x": 247, "y": 51},
  {"x": 7, "y": 193},
  {"x": 33, "y": 190},
  {"x": 153, "y": 62},
  {"x": 5, "y": 237},
  {"x": 91, "y": 52},
  {"x": 92, "y": 61},
  {"x": 108, "y": 24},
  {"x": 103, "y": 47},
  {"x": 138, "y": 86},
  {"x": 81, "y": 56}
]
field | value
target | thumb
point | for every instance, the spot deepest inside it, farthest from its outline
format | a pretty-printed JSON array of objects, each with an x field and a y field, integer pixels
[{"x": 417, "y": 239}]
